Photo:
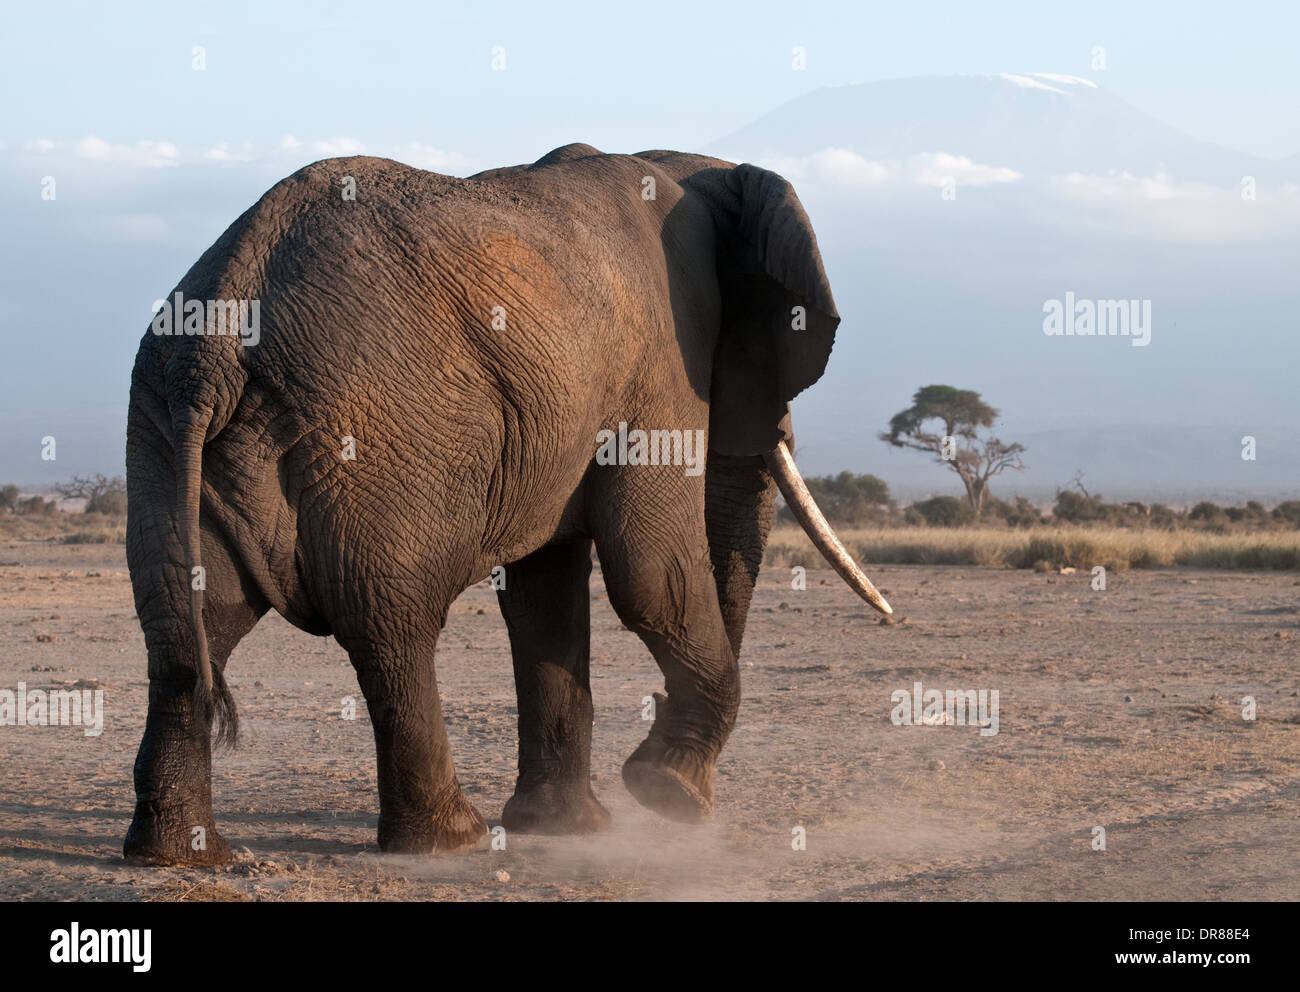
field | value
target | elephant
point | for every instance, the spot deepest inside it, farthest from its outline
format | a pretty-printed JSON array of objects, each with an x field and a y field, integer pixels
[{"x": 413, "y": 390}]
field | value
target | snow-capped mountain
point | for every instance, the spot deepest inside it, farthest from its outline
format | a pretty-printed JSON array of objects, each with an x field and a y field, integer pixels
[{"x": 1034, "y": 123}]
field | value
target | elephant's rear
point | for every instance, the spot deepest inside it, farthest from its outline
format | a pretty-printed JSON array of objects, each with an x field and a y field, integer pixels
[{"x": 390, "y": 365}]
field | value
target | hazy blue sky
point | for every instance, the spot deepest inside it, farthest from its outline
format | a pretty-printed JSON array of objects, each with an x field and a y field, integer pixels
[
  {"x": 154, "y": 159},
  {"x": 624, "y": 75}
]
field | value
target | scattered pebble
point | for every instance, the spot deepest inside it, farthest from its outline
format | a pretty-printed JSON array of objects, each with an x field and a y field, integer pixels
[
  {"x": 936, "y": 765},
  {"x": 502, "y": 875}
]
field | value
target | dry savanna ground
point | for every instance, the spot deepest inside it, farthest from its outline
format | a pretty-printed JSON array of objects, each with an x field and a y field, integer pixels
[{"x": 1119, "y": 709}]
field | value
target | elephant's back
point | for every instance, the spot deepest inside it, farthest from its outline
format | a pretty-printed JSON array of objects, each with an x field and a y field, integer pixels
[{"x": 446, "y": 326}]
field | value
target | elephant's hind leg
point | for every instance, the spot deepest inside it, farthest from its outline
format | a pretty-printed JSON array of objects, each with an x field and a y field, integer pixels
[
  {"x": 421, "y": 805},
  {"x": 546, "y": 603},
  {"x": 173, "y": 823}
]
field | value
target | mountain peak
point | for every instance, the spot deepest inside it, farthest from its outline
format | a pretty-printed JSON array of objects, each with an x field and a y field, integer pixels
[{"x": 1045, "y": 81}]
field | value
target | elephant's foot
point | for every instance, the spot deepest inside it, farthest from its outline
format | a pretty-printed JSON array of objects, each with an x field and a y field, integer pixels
[
  {"x": 551, "y": 808},
  {"x": 190, "y": 842},
  {"x": 454, "y": 826},
  {"x": 674, "y": 782}
]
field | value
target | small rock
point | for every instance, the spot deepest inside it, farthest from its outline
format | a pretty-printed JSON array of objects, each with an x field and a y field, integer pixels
[
  {"x": 1128, "y": 699},
  {"x": 936, "y": 765},
  {"x": 502, "y": 875},
  {"x": 1067, "y": 570}
]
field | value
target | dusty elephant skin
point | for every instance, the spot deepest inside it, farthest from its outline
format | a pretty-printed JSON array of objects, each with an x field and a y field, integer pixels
[{"x": 473, "y": 338}]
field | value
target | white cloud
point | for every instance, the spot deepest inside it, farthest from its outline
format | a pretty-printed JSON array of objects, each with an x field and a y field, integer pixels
[
  {"x": 1154, "y": 207},
  {"x": 935, "y": 168},
  {"x": 334, "y": 147},
  {"x": 289, "y": 150},
  {"x": 434, "y": 159},
  {"x": 222, "y": 152},
  {"x": 842, "y": 168},
  {"x": 153, "y": 154},
  {"x": 1161, "y": 207}
]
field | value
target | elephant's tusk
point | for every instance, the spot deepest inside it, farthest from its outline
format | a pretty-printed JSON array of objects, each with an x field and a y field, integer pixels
[{"x": 810, "y": 517}]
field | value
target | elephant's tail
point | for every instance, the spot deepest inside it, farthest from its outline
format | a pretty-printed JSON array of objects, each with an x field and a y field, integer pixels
[{"x": 210, "y": 690}]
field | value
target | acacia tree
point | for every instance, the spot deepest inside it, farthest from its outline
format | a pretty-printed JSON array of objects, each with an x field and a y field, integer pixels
[
  {"x": 90, "y": 486},
  {"x": 101, "y": 493},
  {"x": 958, "y": 445}
]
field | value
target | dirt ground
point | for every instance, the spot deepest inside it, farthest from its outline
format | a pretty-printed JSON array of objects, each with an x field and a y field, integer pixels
[{"x": 1119, "y": 709}]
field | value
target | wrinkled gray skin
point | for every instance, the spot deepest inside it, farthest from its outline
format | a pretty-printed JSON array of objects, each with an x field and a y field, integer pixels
[{"x": 474, "y": 447}]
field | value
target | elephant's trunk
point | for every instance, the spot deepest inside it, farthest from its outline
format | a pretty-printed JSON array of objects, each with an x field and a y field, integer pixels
[
  {"x": 739, "y": 499},
  {"x": 781, "y": 464}
]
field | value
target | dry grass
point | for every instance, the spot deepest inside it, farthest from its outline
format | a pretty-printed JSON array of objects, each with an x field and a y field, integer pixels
[
  {"x": 1041, "y": 547},
  {"x": 65, "y": 528},
  {"x": 1047, "y": 547}
]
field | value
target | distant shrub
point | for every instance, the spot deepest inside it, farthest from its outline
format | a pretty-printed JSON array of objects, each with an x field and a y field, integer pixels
[
  {"x": 1020, "y": 514},
  {"x": 1288, "y": 512},
  {"x": 9, "y": 498},
  {"x": 1163, "y": 516},
  {"x": 1073, "y": 508},
  {"x": 110, "y": 503},
  {"x": 944, "y": 511},
  {"x": 36, "y": 506},
  {"x": 853, "y": 500}
]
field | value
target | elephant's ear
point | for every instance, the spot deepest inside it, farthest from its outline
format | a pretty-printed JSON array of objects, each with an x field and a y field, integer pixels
[{"x": 778, "y": 317}]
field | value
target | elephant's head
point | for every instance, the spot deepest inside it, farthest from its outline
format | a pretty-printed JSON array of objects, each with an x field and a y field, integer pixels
[{"x": 776, "y": 329}]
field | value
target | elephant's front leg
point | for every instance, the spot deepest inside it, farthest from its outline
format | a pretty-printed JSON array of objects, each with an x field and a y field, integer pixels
[
  {"x": 421, "y": 805},
  {"x": 546, "y": 605},
  {"x": 655, "y": 556}
]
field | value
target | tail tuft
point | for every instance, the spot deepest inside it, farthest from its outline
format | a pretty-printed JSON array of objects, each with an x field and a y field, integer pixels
[{"x": 218, "y": 705}]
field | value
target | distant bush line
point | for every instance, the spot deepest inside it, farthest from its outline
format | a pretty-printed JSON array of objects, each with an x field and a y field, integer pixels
[{"x": 850, "y": 500}]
